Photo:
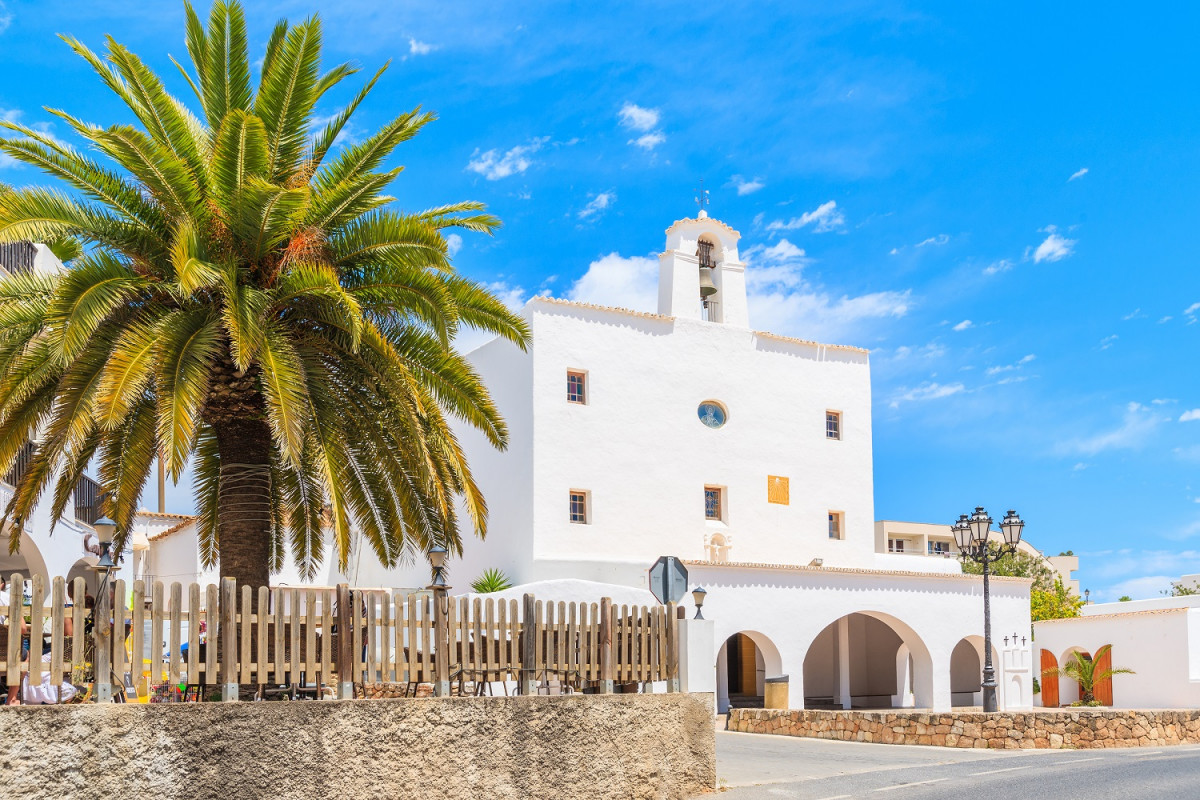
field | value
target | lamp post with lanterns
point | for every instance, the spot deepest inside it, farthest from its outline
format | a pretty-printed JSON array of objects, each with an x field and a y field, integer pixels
[
  {"x": 971, "y": 536},
  {"x": 105, "y": 531},
  {"x": 441, "y": 609}
]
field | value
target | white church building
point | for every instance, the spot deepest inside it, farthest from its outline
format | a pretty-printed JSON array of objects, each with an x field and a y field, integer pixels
[{"x": 745, "y": 454}]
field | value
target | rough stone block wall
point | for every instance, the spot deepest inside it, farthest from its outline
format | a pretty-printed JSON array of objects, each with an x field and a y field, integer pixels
[
  {"x": 588, "y": 746},
  {"x": 1066, "y": 728}
]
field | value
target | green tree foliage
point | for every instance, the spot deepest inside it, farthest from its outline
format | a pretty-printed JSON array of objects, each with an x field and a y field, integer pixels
[
  {"x": 1180, "y": 590},
  {"x": 1057, "y": 603},
  {"x": 248, "y": 299},
  {"x": 492, "y": 580},
  {"x": 1124, "y": 598},
  {"x": 1083, "y": 670},
  {"x": 1018, "y": 565}
]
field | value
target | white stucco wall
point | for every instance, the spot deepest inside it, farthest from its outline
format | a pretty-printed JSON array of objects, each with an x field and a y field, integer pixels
[
  {"x": 1162, "y": 647},
  {"x": 639, "y": 449}
]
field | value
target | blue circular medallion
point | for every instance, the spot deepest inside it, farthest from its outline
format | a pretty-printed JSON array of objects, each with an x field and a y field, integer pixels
[{"x": 711, "y": 414}]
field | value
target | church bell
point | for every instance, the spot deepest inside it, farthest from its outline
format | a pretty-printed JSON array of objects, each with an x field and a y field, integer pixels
[{"x": 704, "y": 254}]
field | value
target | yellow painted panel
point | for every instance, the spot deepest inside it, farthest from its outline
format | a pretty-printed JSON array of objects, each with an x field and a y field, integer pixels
[{"x": 777, "y": 490}]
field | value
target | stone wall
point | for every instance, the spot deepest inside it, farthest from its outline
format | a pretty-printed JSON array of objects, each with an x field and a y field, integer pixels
[
  {"x": 1065, "y": 728},
  {"x": 586, "y": 746}
]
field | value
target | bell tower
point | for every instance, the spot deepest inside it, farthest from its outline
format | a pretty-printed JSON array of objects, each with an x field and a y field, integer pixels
[{"x": 699, "y": 274}]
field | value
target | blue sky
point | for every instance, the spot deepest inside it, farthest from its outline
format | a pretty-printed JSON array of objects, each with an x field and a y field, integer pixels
[{"x": 1000, "y": 200}]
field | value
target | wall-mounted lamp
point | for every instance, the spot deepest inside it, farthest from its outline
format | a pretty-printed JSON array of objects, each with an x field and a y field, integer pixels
[{"x": 698, "y": 595}]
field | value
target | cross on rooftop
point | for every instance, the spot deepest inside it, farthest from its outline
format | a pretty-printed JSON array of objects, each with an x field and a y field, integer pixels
[{"x": 702, "y": 199}]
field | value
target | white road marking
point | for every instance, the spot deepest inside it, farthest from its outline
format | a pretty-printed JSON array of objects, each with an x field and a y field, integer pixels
[
  {"x": 994, "y": 771},
  {"x": 904, "y": 785},
  {"x": 1075, "y": 761},
  {"x": 838, "y": 797},
  {"x": 1140, "y": 755}
]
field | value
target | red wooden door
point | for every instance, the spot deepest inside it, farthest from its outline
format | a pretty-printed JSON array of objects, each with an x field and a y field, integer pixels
[
  {"x": 1103, "y": 689},
  {"x": 1049, "y": 682}
]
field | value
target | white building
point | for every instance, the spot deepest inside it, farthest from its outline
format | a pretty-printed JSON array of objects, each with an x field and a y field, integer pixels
[
  {"x": 937, "y": 541},
  {"x": 1158, "y": 639},
  {"x": 747, "y": 454}
]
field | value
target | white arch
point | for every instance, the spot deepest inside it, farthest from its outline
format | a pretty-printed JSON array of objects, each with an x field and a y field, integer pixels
[
  {"x": 918, "y": 663},
  {"x": 1068, "y": 689},
  {"x": 772, "y": 663},
  {"x": 28, "y": 560}
]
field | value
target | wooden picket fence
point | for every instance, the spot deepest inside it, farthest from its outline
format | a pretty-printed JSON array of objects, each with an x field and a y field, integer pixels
[{"x": 294, "y": 637}]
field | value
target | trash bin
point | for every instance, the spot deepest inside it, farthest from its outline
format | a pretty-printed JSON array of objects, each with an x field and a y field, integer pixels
[{"x": 776, "y": 692}]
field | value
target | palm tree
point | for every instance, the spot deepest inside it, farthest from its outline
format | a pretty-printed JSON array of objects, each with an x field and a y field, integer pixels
[
  {"x": 246, "y": 298},
  {"x": 1081, "y": 668}
]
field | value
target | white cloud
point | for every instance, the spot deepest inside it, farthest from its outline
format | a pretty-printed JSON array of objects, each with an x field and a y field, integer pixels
[
  {"x": 937, "y": 241},
  {"x": 1003, "y": 265},
  {"x": 1135, "y": 314},
  {"x": 453, "y": 244},
  {"x": 1055, "y": 248},
  {"x": 1079, "y": 467},
  {"x": 745, "y": 187},
  {"x": 1190, "y": 313},
  {"x": 493, "y": 165},
  {"x": 5, "y": 18},
  {"x": 636, "y": 118},
  {"x": 1167, "y": 318},
  {"x": 1107, "y": 341},
  {"x": 1010, "y": 368},
  {"x": 614, "y": 280},
  {"x": 926, "y": 391},
  {"x": 597, "y": 205},
  {"x": 1138, "y": 423},
  {"x": 1078, "y": 174},
  {"x": 644, "y": 121},
  {"x": 1190, "y": 416},
  {"x": 649, "y": 141},
  {"x": 823, "y": 218},
  {"x": 962, "y": 326},
  {"x": 416, "y": 48},
  {"x": 1163, "y": 401}
]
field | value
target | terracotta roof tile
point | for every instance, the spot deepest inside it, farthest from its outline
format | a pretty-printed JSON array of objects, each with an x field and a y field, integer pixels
[
  {"x": 853, "y": 571},
  {"x": 1117, "y": 615},
  {"x": 187, "y": 520}
]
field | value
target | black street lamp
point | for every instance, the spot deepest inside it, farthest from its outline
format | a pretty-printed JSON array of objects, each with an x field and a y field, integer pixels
[
  {"x": 441, "y": 612},
  {"x": 971, "y": 536}
]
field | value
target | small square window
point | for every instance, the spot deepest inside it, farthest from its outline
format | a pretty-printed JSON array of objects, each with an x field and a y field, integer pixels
[
  {"x": 579, "y": 507},
  {"x": 835, "y": 525},
  {"x": 939, "y": 548},
  {"x": 833, "y": 425},
  {"x": 577, "y": 387},
  {"x": 896, "y": 545},
  {"x": 713, "y": 505}
]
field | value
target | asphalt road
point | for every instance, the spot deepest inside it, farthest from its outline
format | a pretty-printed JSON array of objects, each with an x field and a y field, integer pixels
[{"x": 780, "y": 767}]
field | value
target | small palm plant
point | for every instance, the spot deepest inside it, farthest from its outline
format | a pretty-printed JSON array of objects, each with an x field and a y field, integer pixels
[
  {"x": 492, "y": 580},
  {"x": 1082, "y": 669}
]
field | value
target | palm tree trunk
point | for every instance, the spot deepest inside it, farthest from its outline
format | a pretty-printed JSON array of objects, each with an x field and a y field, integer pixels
[{"x": 244, "y": 516}]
